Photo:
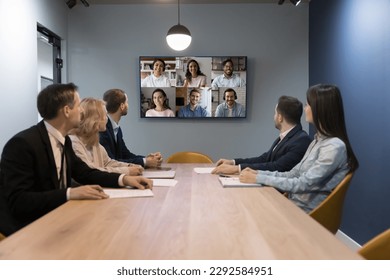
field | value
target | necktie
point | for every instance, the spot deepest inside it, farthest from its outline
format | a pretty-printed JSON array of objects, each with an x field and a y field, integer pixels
[
  {"x": 62, "y": 179},
  {"x": 118, "y": 135}
]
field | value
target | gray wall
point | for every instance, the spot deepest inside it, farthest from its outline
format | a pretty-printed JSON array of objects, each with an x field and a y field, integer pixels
[{"x": 105, "y": 41}]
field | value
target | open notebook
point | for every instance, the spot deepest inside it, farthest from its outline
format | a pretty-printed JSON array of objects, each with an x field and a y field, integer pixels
[
  {"x": 163, "y": 174},
  {"x": 234, "y": 182}
]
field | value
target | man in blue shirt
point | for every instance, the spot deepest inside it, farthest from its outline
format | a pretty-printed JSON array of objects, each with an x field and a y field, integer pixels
[
  {"x": 230, "y": 108},
  {"x": 193, "y": 109}
]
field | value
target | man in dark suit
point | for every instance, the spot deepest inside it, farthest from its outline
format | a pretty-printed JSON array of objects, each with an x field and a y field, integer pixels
[
  {"x": 38, "y": 164},
  {"x": 112, "y": 139},
  {"x": 286, "y": 151}
]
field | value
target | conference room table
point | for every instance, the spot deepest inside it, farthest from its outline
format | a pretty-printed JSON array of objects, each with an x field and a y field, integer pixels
[{"x": 195, "y": 219}]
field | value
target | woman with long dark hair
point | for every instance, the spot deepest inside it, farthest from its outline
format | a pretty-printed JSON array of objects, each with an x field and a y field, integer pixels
[
  {"x": 327, "y": 160},
  {"x": 159, "y": 106},
  {"x": 194, "y": 77}
]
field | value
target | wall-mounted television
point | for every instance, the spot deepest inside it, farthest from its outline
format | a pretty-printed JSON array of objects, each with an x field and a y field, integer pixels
[{"x": 193, "y": 86}]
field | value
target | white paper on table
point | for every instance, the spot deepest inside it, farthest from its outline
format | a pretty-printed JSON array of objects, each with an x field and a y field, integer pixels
[
  {"x": 203, "y": 170},
  {"x": 164, "y": 182},
  {"x": 159, "y": 174},
  {"x": 127, "y": 192},
  {"x": 234, "y": 182}
]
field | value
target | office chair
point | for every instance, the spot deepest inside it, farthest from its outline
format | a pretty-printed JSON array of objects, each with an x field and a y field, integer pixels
[
  {"x": 329, "y": 212},
  {"x": 189, "y": 157},
  {"x": 378, "y": 248}
]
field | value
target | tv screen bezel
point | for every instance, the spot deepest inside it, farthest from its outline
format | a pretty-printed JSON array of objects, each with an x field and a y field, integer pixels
[{"x": 175, "y": 68}]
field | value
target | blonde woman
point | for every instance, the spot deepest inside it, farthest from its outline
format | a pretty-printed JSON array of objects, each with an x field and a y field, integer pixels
[{"x": 85, "y": 140}]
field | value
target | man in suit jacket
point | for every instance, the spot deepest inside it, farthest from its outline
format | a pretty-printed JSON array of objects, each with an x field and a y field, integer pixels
[
  {"x": 112, "y": 139},
  {"x": 38, "y": 164},
  {"x": 286, "y": 151}
]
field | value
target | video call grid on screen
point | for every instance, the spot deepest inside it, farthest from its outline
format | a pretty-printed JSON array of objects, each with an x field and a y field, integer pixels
[{"x": 165, "y": 78}]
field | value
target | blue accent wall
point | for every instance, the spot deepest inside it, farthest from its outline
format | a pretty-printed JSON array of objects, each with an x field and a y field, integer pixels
[{"x": 349, "y": 45}]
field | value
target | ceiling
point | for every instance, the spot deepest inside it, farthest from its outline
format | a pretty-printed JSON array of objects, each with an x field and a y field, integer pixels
[{"x": 111, "y": 2}]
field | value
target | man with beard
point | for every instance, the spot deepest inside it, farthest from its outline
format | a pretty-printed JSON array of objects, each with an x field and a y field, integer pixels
[
  {"x": 230, "y": 108},
  {"x": 112, "y": 139},
  {"x": 286, "y": 151},
  {"x": 193, "y": 109},
  {"x": 228, "y": 78}
]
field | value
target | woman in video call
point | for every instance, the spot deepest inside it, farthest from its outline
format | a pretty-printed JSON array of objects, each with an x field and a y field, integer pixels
[
  {"x": 159, "y": 106},
  {"x": 85, "y": 140},
  {"x": 194, "y": 77},
  {"x": 157, "y": 78}
]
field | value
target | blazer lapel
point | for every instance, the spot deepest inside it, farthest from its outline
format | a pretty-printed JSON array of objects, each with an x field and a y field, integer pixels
[
  {"x": 49, "y": 151},
  {"x": 112, "y": 140}
]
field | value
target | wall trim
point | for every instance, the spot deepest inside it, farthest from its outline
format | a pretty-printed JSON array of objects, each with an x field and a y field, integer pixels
[{"x": 349, "y": 242}]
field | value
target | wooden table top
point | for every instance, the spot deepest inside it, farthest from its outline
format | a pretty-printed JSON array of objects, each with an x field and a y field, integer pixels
[{"x": 196, "y": 219}]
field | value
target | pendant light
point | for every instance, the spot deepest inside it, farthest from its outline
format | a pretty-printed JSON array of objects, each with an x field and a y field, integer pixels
[{"x": 178, "y": 36}]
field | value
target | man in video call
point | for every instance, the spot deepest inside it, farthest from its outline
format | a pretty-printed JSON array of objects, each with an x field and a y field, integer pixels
[
  {"x": 230, "y": 108},
  {"x": 193, "y": 108},
  {"x": 228, "y": 78}
]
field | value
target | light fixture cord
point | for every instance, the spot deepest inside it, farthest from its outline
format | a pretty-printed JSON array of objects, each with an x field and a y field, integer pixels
[{"x": 178, "y": 11}]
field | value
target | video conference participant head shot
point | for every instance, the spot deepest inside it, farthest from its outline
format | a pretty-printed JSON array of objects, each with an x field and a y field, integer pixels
[
  {"x": 230, "y": 108},
  {"x": 193, "y": 109}
]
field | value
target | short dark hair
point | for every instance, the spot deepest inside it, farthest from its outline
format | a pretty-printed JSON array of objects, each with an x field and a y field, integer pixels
[
  {"x": 114, "y": 98},
  {"x": 195, "y": 90},
  {"x": 290, "y": 108},
  {"x": 226, "y": 61},
  {"x": 52, "y": 98},
  {"x": 229, "y": 90}
]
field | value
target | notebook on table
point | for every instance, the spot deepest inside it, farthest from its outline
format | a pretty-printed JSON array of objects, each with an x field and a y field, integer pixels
[
  {"x": 234, "y": 182},
  {"x": 127, "y": 192},
  {"x": 163, "y": 174}
]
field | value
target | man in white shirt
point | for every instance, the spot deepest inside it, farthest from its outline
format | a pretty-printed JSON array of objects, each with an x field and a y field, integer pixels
[{"x": 228, "y": 78}]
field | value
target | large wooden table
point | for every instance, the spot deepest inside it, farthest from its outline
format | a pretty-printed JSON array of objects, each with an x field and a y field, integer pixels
[{"x": 196, "y": 219}]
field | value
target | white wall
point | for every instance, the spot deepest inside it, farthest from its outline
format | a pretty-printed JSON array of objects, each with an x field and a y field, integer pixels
[{"x": 18, "y": 56}]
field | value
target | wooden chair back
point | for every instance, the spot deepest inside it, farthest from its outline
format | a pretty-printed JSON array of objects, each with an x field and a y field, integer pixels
[
  {"x": 377, "y": 248},
  {"x": 189, "y": 157},
  {"x": 329, "y": 212}
]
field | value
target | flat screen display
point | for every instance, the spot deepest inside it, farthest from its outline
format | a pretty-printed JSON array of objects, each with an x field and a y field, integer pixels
[{"x": 193, "y": 86}]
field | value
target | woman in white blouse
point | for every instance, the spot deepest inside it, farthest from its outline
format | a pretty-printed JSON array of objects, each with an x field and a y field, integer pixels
[
  {"x": 157, "y": 78},
  {"x": 85, "y": 140},
  {"x": 159, "y": 106},
  {"x": 194, "y": 77}
]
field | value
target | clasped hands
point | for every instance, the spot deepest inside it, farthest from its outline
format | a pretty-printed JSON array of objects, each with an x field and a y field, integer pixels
[
  {"x": 226, "y": 166},
  {"x": 154, "y": 160}
]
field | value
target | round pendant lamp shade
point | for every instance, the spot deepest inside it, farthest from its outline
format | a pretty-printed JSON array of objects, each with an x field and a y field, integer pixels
[{"x": 179, "y": 37}]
